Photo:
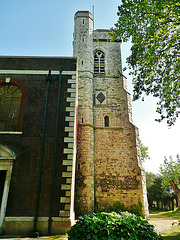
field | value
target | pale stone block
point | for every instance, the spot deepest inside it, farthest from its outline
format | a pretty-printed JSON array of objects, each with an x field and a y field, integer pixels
[
  {"x": 69, "y": 129},
  {"x": 67, "y": 207},
  {"x": 65, "y": 187},
  {"x": 73, "y": 76},
  {"x": 71, "y": 124},
  {"x": 64, "y": 200},
  {"x": 70, "y": 145},
  {"x": 71, "y": 90},
  {"x": 73, "y": 95},
  {"x": 67, "y": 162},
  {"x": 69, "y": 119},
  {"x": 73, "y": 85},
  {"x": 68, "y": 193},
  {"x": 71, "y": 80},
  {"x": 70, "y": 156},
  {"x": 70, "y": 109},
  {"x": 68, "y": 139},
  {"x": 69, "y": 180},
  {"x": 71, "y": 134},
  {"x": 72, "y": 104},
  {"x": 70, "y": 99},
  {"x": 67, "y": 174},
  {"x": 69, "y": 168},
  {"x": 64, "y": 213},
  {"x": 67, "y": 150},
  {"x": 71, "y": 114}
]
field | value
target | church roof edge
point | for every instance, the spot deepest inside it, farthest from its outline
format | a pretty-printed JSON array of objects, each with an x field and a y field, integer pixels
[{"x": 14, "y": 56}]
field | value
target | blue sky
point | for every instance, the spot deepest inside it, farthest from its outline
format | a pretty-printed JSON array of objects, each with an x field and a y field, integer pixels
[{"x": 45, "y": 28}]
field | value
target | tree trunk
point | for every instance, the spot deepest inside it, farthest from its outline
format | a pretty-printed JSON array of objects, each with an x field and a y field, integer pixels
[
  {"x": 176, "y": 191},
  {"x": 172, "y": 204}
]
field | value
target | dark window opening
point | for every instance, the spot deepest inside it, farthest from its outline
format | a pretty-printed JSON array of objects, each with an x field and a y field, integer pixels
[
  {"x": 82, "y": 120},
  {"x": 78, "y": 167},
  {"x": 10, "y": 103},
  {"x": 2, "y": 182},
  {"x": 83, "y": 21},
  {"x": 99, "y": 63},
  {"x": 106, "y": 121}
]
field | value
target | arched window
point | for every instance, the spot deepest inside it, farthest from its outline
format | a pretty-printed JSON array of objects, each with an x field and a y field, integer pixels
[
  {"x": 106, "y": 121},
  {"x": 99, "y": 63},
  {"x": 11, "y": 106}
]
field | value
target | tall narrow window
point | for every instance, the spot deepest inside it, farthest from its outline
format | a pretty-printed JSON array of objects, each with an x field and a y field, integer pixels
[
  {"x": 10, "y": 107},
  {"x": 99, "y": 63},
  {"x": 106, "y": 121}
]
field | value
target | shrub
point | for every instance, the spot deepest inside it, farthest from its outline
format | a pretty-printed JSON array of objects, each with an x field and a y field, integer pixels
[
  {"x": 120, "y": 207},
  {"x": 117, "y": 207},
  {"x": 109, "y": 226}
]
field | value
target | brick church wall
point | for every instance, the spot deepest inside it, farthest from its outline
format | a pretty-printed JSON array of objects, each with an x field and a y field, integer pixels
[{"x": 28, "y": 144}]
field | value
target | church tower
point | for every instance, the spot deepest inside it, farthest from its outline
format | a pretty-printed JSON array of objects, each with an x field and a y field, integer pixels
[{"x": 108, "y": 165}]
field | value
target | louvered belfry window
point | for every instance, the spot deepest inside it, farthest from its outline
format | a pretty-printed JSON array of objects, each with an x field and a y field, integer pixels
[{"x": 99, "y": 63}]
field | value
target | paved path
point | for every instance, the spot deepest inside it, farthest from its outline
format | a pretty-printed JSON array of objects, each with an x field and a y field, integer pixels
[{"x": 162, "y": 224}]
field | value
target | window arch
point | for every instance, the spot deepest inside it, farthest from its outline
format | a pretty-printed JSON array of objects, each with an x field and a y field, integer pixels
[
  {"x": 99, "y": 62},
  {"x": 12, "y": 105},
  {"x": 106, "y": 121}
]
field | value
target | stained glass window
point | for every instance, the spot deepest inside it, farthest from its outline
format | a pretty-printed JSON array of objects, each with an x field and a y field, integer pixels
[{"x": 10, "y": 102}]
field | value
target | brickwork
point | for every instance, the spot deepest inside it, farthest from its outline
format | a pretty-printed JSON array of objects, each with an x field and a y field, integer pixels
[{"x": 23, "y": 191}]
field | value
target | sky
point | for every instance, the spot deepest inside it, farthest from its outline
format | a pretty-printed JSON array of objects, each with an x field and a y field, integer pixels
[{"x": 45, "y": 28}]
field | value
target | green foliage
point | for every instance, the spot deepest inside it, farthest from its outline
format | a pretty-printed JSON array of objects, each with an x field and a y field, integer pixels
[
  {"x": 155, "y": 190},
  {"x": 153, "y": 27},
  {"x": 120, "y": 207},
  {"x": 144, "y": 152},
  {"x": 109, "y": 226},
  {"x": 117, "y": 207},
  {"x": 170, "y": 171},
  {"x": 136, "y": 208}
]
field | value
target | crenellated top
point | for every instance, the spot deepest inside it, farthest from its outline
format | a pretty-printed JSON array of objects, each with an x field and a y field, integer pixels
[
  {"x": 102, "y": 35},
  {"x": 85, "y": 14}
]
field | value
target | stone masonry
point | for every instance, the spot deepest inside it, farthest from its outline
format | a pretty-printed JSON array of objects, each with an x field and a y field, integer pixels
[{"x": 108, "y": 165}]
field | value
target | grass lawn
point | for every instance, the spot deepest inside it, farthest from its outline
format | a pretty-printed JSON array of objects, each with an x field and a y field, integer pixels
[
  {"x": 175, "y": 213},
  {"x": 172, "y": 234}
]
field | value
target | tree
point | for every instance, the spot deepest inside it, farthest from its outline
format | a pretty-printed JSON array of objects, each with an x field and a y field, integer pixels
[
  {"x": 170, "y": 172},
  {"x": 154, "y": 188},
  {"x": 144, "y": 152},
  {"x": 157, "y": 192},
  {"x": 153, "y": 27}
]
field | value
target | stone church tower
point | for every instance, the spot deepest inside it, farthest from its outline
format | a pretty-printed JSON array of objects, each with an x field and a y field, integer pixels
[{"x": 108, "y": 165}]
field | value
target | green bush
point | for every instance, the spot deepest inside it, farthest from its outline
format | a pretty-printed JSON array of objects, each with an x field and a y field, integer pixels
[
  {"x": 120, "y": 207},
  {"x": 117, "y": 207},
  {"x": 109, "y": 226}
]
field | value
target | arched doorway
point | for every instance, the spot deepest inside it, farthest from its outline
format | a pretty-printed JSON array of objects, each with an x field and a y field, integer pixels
[{"x": 7, "y": 157}]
